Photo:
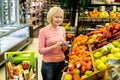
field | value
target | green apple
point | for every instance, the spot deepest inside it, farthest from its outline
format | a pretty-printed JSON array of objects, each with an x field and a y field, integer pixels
[
  {"x": 104, "y": 59},
  {"x": 97, "y": 55},
  {"x": 110, "y": 46},
  {"x": 83, "y": 77},
  {"x": 88, "y": 72},
  {"x": 101, "y": 66},
  {"x": 67, "y": 77},
  {"x": 116, "y": 44},
  {"x": 115, "y": 50},
  {"x": 117, "y": 55},
  {"x": 76, "y": 71},
  {"x": 104, "y": 50},
  {"x": 111, "y": 56},
  {"x": 97, "y": 62}
]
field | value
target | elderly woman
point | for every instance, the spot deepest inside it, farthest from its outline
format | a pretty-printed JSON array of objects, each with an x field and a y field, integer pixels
[{"x": 52, "y": 45}]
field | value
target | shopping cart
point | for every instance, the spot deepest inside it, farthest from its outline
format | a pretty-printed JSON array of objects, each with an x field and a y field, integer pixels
[{"x": 21, "y": 65}]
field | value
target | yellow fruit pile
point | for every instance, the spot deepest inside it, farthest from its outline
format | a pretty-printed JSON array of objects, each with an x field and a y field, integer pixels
[
  {"x": 104, "y": 14},
  {"x": 113, "y": 14},
  {"x": 94, "y": 13}
]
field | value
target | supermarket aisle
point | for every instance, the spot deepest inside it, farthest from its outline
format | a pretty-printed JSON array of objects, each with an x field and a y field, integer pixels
[{"x": 32, "y": 47}]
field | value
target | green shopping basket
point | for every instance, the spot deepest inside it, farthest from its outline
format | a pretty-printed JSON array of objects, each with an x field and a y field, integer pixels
[{"x": 19, "y": 57}]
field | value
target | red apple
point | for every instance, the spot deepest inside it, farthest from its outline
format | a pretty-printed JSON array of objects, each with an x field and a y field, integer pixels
[{"x": 25, "y": 65}]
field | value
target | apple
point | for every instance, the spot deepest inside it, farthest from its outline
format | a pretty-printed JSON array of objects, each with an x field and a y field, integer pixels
[
  {"x": 115, "y": 50},
  {"x": 104, "y": 59},
  {"x": 88, "y": 72},
  {"x": 67, "y": 77},
  {"x": 84, "y": 76},
  {"x": 97, "y": 55},
  {"x": 94, "y": 36},
  {"x": 97, "y": 62},
  {"x": 99, "y": 34},
  {"x": 117, "y": 55},
  {"x": 76, "y": 77},
  {"x": 110, "y": 46},
  {"x": 111, "y": 56},
  {"x": 116, "y": 44},
  {"x": 90, "y": 41},
  {"x": 76, "y": 71},
  {"x": 101, "y": 66},
  {"x": 25, "y": 65},
  {"x": 88, "y": 66},
  {"x": 104, "y": 50}
]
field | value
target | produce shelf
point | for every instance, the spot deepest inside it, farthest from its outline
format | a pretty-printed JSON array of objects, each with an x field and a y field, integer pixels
[{"x": 114, "y": 37}]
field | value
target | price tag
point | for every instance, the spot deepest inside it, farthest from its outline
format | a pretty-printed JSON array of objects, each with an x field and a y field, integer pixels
[
  {"x": 81, "y": 19},
  {"x": 93, "y": 19},
  {"x": 103, "y": 19},
  {"x": 70, "y": 65},
  {"x": 105, "y": 47},
  {"x": 115, "y": 19},
  {"x": 118, "y": 9},
  {"x": 78, "y": 65}
]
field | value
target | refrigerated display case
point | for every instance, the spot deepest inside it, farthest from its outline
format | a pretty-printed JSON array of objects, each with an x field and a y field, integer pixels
[
  {"x": 5, "y": 12},
  {"x": 13, "y": 8},
  {"x": 0, "y": 15},
  {"x": 14, "y": 38},
  {"x": 9, "y": 11}
]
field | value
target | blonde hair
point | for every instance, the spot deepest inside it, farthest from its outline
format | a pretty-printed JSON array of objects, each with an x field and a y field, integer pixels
[{"x": 53, "y": 11}]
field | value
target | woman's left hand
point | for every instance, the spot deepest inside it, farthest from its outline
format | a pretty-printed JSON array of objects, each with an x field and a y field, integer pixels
[{"x": 64, "y": 46}]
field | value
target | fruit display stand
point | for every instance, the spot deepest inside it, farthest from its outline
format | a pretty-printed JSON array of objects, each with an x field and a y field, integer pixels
[
  {"x": 100, "y": 59},
  {"x": 80, "y": 62},
  {"x": 101, "y": 54},
  {"x": 106, "y": 52},
  {"x": 21, "y": 66},
  {"x": 103, "y": 35},
  {"x": 81, "y": 49},
  {"x": 98, "y": 44}
]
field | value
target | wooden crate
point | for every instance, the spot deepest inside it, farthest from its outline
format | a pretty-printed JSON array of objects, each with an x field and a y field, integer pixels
[{"x": 114, "y": 37}]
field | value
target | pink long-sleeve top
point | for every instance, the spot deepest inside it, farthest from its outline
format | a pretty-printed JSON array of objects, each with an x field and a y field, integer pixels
[{"x": 48, "y": 37}]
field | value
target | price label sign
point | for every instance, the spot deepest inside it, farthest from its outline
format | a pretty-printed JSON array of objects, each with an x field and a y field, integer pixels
[
  {"x": 104, "y": 19},
  {"x": 84, "y": 19},
  {"x": 81, "y": 19},
  {"x": 118, "y": 9},
  {"x": 115, "y": 19},
  {"x": 93, "y": 19}
]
